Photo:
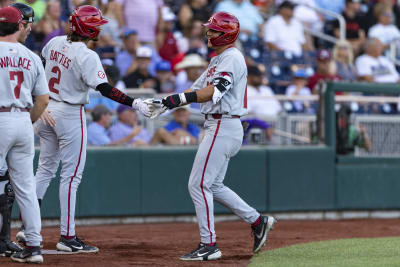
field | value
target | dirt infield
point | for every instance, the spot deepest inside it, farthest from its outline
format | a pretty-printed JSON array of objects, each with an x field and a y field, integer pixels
[{"x": 162, "y": 244}]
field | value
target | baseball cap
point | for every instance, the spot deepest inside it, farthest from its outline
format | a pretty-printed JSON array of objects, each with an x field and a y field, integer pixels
[
  {"x": 167, "y": 14},
  {"x": 144, "y": 51},
  {"x": 122, "y": 108},
  {"x": 287, "y": 4},
  {"x": 324, "y": 55},
  {"x": 301, "y": 73},
  {"x": 10, "y": 14},
  {"x": 163, "y": 66},
  {"x": 98, "y": 111},
  {"x": 129, "y": 32}
]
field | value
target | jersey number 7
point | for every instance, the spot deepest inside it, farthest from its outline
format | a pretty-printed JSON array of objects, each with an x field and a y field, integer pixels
[
  {"x": 20, "y": 79},
  {"x": 55, "y": 80}
]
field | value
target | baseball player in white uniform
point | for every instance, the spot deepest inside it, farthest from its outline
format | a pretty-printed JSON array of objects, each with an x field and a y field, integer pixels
[
  {"x": 71, "y": 70},
  {"x": 7, "y": 195},
  {"x": 221, "y": 90},
  {"x": 22, "y": 76}
]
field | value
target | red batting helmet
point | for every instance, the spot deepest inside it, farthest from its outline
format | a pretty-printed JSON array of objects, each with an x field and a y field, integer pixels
[
  {"x": 85, "y": 21},
  {"x": 226, "y": 23}
]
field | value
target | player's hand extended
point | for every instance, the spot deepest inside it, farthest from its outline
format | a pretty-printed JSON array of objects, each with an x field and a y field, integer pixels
[
  {"x": 47, "y": 119},
  {"x": 145, "y": 109},
  {"x": 159, "y": 108},
  {"x": 172, "y": 101}
]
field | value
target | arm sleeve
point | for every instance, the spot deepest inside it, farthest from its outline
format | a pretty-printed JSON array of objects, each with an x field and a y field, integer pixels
[
  {"x": 223, "y": 78},
  {"x": 92, "y": 70},
  {"x": 114, "y": 94},
  {"x": 41, "y": 87}
]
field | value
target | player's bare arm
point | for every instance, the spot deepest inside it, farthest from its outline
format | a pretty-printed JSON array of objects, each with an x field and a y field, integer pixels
[{"x": 39, "y": 106}]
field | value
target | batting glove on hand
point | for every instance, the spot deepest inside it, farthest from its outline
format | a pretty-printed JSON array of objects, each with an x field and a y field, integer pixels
[
  {"x": 173, "y": 101},
  {"x": 159, "y": 108},
  {"x": 144, "y": 108}
]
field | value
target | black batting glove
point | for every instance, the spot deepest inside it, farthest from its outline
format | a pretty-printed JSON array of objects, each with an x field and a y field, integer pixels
[{"x": 172, "y": 101}]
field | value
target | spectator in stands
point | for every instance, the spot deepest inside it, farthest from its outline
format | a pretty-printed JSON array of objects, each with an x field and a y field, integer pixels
[
  {"x": 325, "y": 71},
  {"x": 191, "y": 37},
  {"x": 373, "y": 67},
  {"x": 343, "y": 57},
  {"x": 192, "y": 66},
  {"x": 39, "y": 6},
  {"x": 370, "y": 19},
  {"x": 348, "y": 136},
  {"x": 125, "y": 58},
  {"x": 141, "y": 78},
  {"x": 127, "y": 128},
  {"x": 166, "y": 42},
  {"x": 248, "y": 15},
  {"x": 354, "y": 31},
  {"x": 193, "y": 10},
  {"x": 299, "y": 88},
  {"x": 142, "y": 15},
  {"x": 384, "y": 30},
  {"x": 114, "y": 79},
  {"x": 110, "y": 35},
  {"x": 5, "y": 3},
  {"x": 50, "y": 24},
  {"x": 165, "y": 78},
  {"x": 179, "y": 131},
  {"x": 261, "y": 98},
  {"x": 283, "y": 32},
  {"x": 97, "y": 134}
]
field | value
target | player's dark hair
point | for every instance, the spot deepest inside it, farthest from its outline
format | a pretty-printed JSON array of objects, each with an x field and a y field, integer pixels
[
  {"x": 7, "y": 28},
  {"x": 73, "y": 37}
]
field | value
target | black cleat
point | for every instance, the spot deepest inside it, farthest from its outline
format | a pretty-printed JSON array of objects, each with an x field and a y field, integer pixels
[
  {"x": 9, "y": 247},
  {"x": 29, "y": 255},
  {"x": 75, "y": 245},
  {"x": 203, "y": 253},
  {"x": 260, "y": 232}
]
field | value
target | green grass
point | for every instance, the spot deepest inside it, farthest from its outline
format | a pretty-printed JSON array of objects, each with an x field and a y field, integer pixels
[{"x": 361, "y": 252}]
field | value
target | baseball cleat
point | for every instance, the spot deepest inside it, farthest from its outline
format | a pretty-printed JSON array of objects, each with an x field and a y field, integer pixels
[
  {"x": 203, "y": 252},
  {"x": 260, "y": 232},
  {"x": 29, "y": 255},
  {"x": 8, "y": 247},
  {"x": 75, "y": 245}
]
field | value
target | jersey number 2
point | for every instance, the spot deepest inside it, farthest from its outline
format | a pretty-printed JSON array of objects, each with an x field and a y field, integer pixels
[
  {"x": 55, "y": 80},
  {"x": 20, "y": 80}
]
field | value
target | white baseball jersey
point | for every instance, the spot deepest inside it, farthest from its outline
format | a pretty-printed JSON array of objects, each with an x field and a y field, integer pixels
[
  {"x": 232, "y": 100},
  {"x": 71, "y": 70},
  {"x": 22, "y": 75}
]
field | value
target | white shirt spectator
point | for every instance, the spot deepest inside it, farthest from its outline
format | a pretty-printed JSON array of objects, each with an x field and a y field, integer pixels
[
  {"x": 291, "y": 89},
  {"x": 288, "y": 37},
  {"x": 259, "y": 105},
  {"x": 385, "y": 33},
  {"x": 381, "y": 68}
]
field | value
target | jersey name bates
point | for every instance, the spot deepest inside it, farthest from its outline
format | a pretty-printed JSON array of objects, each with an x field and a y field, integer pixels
[
  {"x": 60, "y": 58},
  {"x": 22, "y": 62}
]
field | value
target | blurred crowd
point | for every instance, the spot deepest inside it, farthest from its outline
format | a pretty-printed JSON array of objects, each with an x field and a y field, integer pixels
[{"x": 160, "y": 44}]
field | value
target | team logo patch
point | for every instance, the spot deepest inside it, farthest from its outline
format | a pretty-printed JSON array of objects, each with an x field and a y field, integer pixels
[{"x": 101, "y": 75}]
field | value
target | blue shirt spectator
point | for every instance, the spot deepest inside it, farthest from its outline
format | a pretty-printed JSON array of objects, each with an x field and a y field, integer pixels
[
  {"x": 97, "y": 135},
  {"x": 247, "y": 14},
  {"x": 336, "y": 6},
  {"x": 190, "y": 128},
  {"x": 97, "y": 131},
  {"x": 128, "y": 127}
]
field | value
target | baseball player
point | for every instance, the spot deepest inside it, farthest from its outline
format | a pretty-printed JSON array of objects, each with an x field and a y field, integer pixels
[
  {"x": 7, "y": 197},
  {"x": 22, "y": 76},
  {"x": 71, "y": 70},
  {"x": 221, "y": 90}
]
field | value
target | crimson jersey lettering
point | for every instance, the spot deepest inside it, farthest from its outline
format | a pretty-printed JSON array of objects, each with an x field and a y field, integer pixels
[
  {"x": 60, "y": 58},
  {"x": 14, "y": 62}
]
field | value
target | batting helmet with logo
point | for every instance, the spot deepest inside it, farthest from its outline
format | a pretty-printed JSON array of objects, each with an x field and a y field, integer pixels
[
  {"x": 28, "y": 15},
  {"x": 85, "y": 21},
  {"x": 226, "y": 23}
]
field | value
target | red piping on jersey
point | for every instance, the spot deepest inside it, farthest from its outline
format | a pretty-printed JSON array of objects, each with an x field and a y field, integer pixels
[
  {"x": 76, "y": 170},
  {"x": 245, "y": 98},
  {"x": 202, "y": 178}
]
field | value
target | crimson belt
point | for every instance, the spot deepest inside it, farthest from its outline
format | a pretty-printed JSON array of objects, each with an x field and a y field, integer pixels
[{"x": 219, "y": 116}]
